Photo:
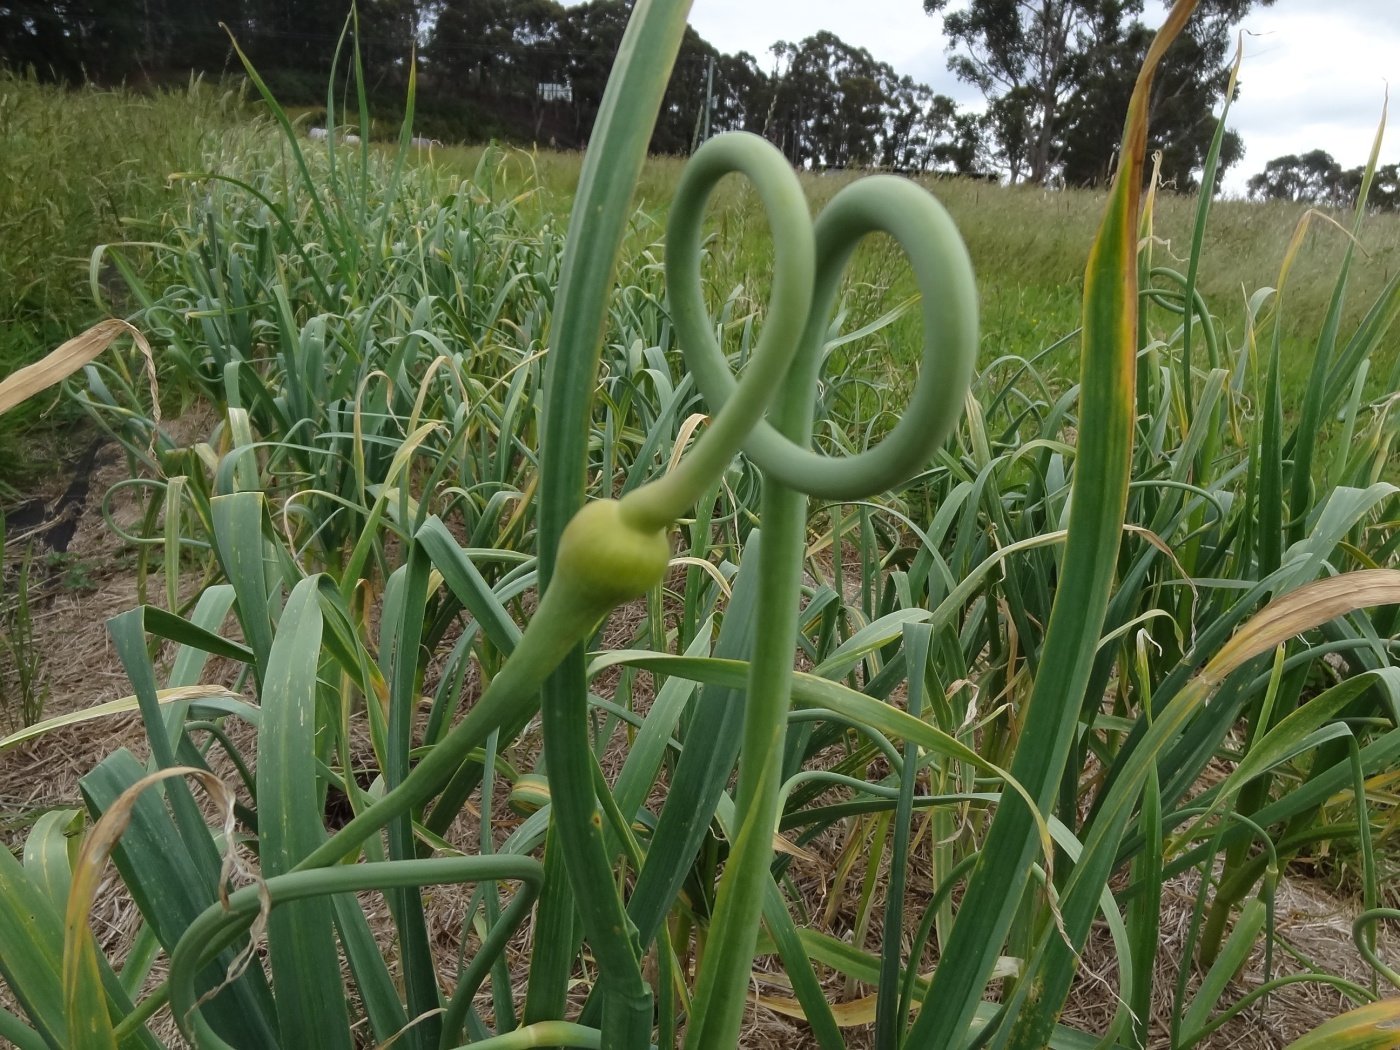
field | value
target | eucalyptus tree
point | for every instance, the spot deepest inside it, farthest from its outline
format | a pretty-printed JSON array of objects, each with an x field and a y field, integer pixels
[
  {"x": 1313, "y": 176},
  {"x": 831, "y": 102},
  {"x": 742, "y": 94},
  {"x": 1057, "y": 74},
  {"x": 921, "y": 129},
  {"x": 1027, "y": 57}
]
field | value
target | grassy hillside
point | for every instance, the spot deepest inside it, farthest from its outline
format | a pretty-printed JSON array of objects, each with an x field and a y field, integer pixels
[
  {"x": 79, "y": 168},
  {"x": 83, "y": 168},
  {"x": 1029, "y": 245}
]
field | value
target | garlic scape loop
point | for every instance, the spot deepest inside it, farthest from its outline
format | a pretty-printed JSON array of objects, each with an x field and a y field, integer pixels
[
  {"x": 737, "y": 408},
  {"x": 613, "y": 551},
  {"x": 807, "y": 267}
]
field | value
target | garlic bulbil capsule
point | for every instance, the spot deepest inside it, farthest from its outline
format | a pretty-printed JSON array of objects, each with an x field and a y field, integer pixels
[{"x": 608, "y": 559}]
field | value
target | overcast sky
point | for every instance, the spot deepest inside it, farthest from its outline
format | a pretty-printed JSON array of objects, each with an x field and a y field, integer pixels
[{"x": 1314, "y": 75}]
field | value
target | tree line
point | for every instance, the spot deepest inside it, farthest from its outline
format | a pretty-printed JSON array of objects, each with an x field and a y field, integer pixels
[
  {"x": 1055, "y": 76},
  {"x": 519, "y": 70},
  {"x": 1315, "y": 178}
]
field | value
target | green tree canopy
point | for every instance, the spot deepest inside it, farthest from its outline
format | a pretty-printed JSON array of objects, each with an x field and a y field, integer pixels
[
  {"x": 1057, "y": 75},
  {"x": 519, "y": 70},
  {"x": 1315, "y": 178}
]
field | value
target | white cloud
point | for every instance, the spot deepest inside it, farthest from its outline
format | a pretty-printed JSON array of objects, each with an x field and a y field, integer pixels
[
  {"x": 1314, "y": 76},
  {"x": 893, "y": 31}
]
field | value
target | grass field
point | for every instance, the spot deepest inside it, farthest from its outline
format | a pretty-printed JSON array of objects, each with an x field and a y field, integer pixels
[
  {"x": 85, "y": 168},
  {"x": 1028, "y": 248},
  {"x": 79, "y": 169},
  {"x": 786, "y": 795}
]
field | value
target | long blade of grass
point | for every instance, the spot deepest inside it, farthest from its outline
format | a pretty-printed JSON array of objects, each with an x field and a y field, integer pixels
[
  {"x": 85, "y": 970},
  {"x": 32, "y": 930},
  {"x": 209, "y": 696},
  {"x": 888, "y": 1024},
  {"x": 238, "y": 540},
  {"x": 1108, "y": 404},
  {"x": 1308, "y": 431},
  {"x": 402, "y": 638},
  {"x": 22, "y": 384},
  {"x": 1198, "y": 230},
  {"x": 617, "y": 149},
  {"x": 301, "y": 944},
  {"x": 171, "y": 886}
]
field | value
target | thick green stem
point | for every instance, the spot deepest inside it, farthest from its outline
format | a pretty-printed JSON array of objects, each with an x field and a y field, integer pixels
[
  {"x": 596, "y": 228},
  {"x": 508, "y": 703},
  {"x": 721, "y": 994},
  {"x": 792, "y": 472}
]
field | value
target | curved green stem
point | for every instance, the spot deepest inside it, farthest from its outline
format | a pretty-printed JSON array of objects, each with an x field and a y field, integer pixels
[
  {"x": 722, "y": 984},
  {"x": 1365, "y": 945},
  {"x": 794, "y": 472},
  {"x": 597, "y": 224},
  {"x": 736, "y": 413},
  {"x": 222, "y": 923},
  {"x": 943, "y": 272}
]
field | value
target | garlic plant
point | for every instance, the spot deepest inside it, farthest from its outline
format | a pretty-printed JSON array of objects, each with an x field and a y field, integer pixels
[{"x": 378, "y": 500}]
